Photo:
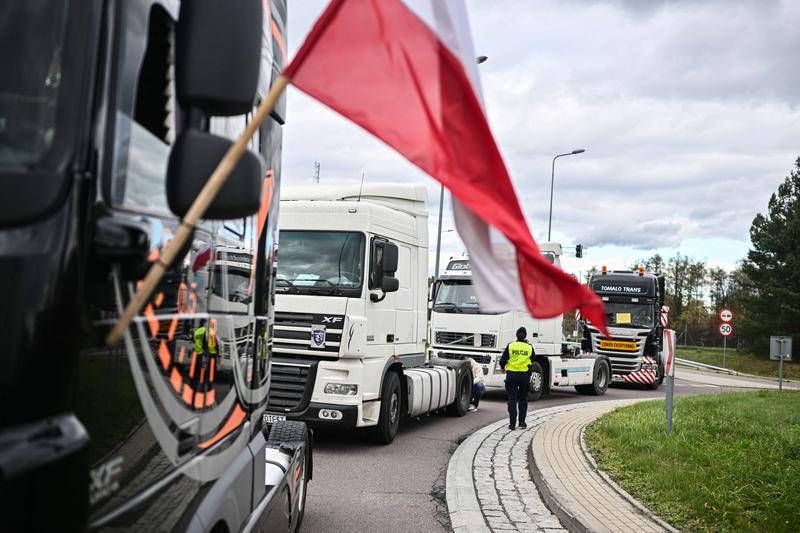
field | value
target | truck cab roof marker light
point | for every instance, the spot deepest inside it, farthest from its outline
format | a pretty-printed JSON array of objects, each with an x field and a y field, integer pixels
[{"x": 604, "y": 270}]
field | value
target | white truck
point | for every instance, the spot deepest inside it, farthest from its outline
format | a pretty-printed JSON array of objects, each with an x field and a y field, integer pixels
[
  {"x": 459, "y": 329},
  {"x": 350, "y": 321}
]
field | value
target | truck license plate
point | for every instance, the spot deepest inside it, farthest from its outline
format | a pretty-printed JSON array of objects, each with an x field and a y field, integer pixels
[
  {"x": 271, "y": 419},
  {"x": 626, "y": 346}
]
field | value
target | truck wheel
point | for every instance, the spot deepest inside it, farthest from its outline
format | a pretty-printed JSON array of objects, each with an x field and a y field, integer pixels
[
  {"x": 463, "y": 394},
  {"x": 659, "y": 378},
  {"x": 292, "y": 431},
  {"x": 391, "y": 406},
  {"x": 536, "y": 386},
  {"x": 600, "y": 380}
]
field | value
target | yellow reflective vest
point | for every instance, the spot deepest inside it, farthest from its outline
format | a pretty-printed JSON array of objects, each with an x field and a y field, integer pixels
[
  {"x": 519, "y": 356},
  {"x": 199, "y": 335}
]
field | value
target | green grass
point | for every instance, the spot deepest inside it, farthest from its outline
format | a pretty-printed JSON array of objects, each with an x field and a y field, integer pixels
[
  {"x": 732, "y": 462},
  {"x": 740, "y": 362}
]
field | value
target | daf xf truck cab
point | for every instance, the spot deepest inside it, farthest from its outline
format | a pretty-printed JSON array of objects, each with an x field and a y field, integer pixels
[
  {"x": 112, "y": 116},
  {"x": 350, "y": 320},
  {"x": 634, "y": 302},
  {"x": 459, "y": 329}
]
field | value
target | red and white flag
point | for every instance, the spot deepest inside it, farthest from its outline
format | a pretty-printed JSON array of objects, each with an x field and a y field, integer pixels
[{"x": 405, "y": 71}]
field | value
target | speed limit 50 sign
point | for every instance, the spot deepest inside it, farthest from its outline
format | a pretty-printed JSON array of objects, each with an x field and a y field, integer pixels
[{"x": 725, "y": 329}]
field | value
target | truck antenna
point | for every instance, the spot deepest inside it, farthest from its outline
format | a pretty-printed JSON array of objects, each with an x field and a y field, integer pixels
[
  {"x": 362, "y": 186},
  {"x": 316, "y": 171}
]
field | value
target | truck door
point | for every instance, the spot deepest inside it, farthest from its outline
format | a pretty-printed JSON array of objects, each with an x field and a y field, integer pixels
[
  {"x": 382, "y": 307},
  {"x": 405, "y": 333}
]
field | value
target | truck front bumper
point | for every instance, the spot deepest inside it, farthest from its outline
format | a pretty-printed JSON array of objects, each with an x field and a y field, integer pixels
[{"x": 323, "y": 414}]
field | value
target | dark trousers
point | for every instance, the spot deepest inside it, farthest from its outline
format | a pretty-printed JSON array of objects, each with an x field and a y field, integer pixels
[
  {"x": 477, "y": 391},
  {"x": 517, "y": 384}
]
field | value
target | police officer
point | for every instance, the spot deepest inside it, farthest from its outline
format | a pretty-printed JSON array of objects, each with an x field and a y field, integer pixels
[
  {"x": 516, "y": 361},
  {"x": 205, "y": 346}
]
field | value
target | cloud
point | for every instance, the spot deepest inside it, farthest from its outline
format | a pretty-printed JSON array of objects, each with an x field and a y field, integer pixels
[{"x": 688, "y": 111}]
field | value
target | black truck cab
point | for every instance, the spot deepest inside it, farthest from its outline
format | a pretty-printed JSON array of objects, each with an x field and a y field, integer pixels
[{"x": 112, "y": 115}]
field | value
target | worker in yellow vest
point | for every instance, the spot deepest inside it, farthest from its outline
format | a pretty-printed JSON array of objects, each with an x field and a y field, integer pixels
[
  {"x": 202, "y": 370},
  {"x": 516, "y": 362}
]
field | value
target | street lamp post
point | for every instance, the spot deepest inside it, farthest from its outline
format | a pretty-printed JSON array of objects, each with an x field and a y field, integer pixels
[
  {"x": 552, "y": 179},
  {"x": 479, "y": 60}
]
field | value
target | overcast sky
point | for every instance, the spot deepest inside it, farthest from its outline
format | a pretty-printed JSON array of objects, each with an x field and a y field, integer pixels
[{"x": 688, "y": 111}]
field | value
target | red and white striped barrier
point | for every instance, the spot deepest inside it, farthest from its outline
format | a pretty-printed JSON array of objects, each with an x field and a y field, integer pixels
[
  {"x": 664, "y": 315},
  {"x": 669, "y": 352},
  {"x": 644, "y": 377}
]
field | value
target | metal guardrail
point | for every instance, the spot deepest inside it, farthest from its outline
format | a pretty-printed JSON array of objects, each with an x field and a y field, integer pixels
[{"x": 703, "y": 366}]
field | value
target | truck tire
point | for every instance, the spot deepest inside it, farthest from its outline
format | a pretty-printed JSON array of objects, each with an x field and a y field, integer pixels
[
  {"x": 391, "y": 407},
  {"x": 659, "y": 378},
  {"x": 600, "y": 380},
  {"x": 536, "y": 386},
  {"x": 463, "y": 393},
  {"x": 292, "y": 431}
]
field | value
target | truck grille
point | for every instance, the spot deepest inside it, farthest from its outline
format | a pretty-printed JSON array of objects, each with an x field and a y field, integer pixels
[
  {"x": 292, "y": 334},
  {"x": 621, "y": 366},
  {"x": 452, "y": 338},
  {"x": 290, "y": 386},
  {"x": 487, "y": 340},
  {"x": 479, "y": 358}
]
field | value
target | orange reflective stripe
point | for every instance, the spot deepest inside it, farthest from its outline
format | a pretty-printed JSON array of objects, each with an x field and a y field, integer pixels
[
  {"x": 191, "y": 367},
  {"x": 234, "y": 421},
  {"x": 164, "y": 355},
  {"x": 159, "y": 299},
  {"x": 210, "y": 398},
  {"x": 187, "y": 394},
  {"x": 152, "y": 321},
  {"x": 181, "y": 353},
  {"x": 211, "y": 371},
  {"x": 173, "y": 326},
  {"x": 202, "y": 375},
  {"x": 176, "y": 380},
  {"x": 199, "y": 399},
  {"x": 278, "y": 37}
]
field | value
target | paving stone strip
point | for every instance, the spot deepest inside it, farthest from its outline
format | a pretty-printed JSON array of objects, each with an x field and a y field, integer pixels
[
  {"x": 493, "y": 477},
  {"x": 489, "y": 486},
  {"x": 583, "y": 498}
]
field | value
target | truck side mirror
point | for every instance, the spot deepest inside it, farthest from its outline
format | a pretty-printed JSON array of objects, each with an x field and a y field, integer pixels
[
  {"x": 390, "y": 284},
  {"x": 218, "y": 54},
  {"x": 194, "y": 157},
  {"x": 390, "y": 255}
]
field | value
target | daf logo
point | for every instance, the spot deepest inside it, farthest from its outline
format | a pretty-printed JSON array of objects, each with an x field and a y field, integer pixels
[
  {"x": 331, "y": 319},
  {"x": 318, "y": 337}
]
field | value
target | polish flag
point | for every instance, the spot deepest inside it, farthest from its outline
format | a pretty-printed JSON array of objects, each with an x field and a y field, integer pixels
[{"x": 405, "y": 71}]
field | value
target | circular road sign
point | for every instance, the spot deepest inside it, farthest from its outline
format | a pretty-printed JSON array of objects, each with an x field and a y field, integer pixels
[
  {"x": 725, "y": 329},
  {"x": 726, "y": 315}
]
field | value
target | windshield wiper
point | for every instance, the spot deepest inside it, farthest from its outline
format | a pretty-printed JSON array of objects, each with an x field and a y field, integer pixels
[
  {"x": 285, "y": 282},
  {"x": 448, "y": 305}
]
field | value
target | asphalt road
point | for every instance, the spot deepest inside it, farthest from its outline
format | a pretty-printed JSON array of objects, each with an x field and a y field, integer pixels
[{"x": 359, "y": 486}]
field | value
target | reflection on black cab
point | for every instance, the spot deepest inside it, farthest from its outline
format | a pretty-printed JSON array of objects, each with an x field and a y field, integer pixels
[{"x": 111, "y": 118}]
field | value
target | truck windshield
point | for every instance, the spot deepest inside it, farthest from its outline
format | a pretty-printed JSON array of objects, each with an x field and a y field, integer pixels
[
  {"x": 31, "y": 44},
  {"x": 328, "y": 263},
  {"x": 622, "y": 315},
  {"x": 456, "y": 297}
]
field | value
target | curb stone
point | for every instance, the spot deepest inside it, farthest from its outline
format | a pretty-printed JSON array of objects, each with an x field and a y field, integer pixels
[{"x": 619, "y": 490}]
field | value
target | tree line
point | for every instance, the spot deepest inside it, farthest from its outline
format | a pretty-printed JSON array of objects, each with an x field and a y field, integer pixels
[{"x": 763, "y": 291}]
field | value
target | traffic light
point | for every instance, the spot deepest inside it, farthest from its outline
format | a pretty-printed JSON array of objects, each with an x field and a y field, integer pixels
[{"x": 579, "y": 251}]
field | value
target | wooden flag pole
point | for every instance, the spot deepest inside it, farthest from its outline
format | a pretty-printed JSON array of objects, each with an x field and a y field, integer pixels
[{"x": 195, "y": 212}]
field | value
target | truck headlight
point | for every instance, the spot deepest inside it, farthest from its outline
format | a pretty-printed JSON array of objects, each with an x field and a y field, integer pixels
[
  {"x": 344, "y": 389},
  {"x": 649, "y": 366}
]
